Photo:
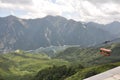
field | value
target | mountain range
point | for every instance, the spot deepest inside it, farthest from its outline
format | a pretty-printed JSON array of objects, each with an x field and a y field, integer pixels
[{"x": 29, "y": 34}]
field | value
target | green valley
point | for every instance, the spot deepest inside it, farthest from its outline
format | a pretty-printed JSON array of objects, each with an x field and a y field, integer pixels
[
  {"x": 73, "y": 63},
  {"x": 23, "y": 66},
  {"x": 89, "y": 58}
]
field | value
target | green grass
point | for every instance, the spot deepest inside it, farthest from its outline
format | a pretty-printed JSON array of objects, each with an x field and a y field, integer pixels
[
  {"x": 25, "y": 66},
  {"x": 19, "y": 66},
  {"x": 88, "y": 72},
  {"x": 90, "y": 56}
]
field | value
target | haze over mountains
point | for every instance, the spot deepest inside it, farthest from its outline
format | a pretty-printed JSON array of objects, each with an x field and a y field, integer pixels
[{"x": 27, "y": 34}]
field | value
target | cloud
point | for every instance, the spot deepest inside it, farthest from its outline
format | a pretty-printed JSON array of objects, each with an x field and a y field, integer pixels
[
  {"x": 103, "y": 1},
  {"x": 101, "y": 11},
  {"x": 16, "y": 1}
]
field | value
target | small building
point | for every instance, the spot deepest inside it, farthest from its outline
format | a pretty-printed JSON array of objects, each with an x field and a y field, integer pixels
[
  {"x": 113, "y": 74},
  {"x": 17, "y": 51}
]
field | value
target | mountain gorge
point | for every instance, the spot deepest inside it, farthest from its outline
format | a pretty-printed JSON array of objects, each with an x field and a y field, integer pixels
[{"x": 27, "y": 34}]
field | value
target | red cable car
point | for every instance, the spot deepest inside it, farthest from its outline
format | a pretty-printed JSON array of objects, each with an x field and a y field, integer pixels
[{"x": 105, "y": 52}]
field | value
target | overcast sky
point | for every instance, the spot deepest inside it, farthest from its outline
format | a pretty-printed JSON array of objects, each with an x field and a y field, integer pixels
[{"x": 102, "y": 11}]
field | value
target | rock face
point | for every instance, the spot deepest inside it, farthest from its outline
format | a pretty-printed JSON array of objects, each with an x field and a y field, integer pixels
[{"x": 26, "y": 34}]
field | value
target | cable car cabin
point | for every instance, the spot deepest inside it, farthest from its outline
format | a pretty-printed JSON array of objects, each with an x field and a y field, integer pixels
[{"x": 105, "y": 52}]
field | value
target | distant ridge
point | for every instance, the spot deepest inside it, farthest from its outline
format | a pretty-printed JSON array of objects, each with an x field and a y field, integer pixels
[{"x": 27, "y": 34}]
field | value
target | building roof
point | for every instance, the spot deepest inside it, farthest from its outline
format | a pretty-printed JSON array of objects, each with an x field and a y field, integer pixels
[
  {"x": 108, "y": 50},
  {"x": 113, "y": 74}
]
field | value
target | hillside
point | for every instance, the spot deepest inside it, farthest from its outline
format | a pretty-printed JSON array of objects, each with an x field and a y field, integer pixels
[
  {"x": 23, "y": 66},
  {"x": 73, "y": 63},
  {"x": 90, "y": 56},
  {"x": 112, "y": 27},
  {"x": 72, "y": 72},
  {"x": 30, "y": 34},
  {"x": 91, "y": 71}
]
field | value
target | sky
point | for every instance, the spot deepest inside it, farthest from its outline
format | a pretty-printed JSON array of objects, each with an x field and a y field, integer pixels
[{"x": 100, "y": 11}]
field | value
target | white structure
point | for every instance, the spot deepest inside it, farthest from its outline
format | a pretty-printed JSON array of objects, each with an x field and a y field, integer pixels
[{"x": 113, "y": 74}]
